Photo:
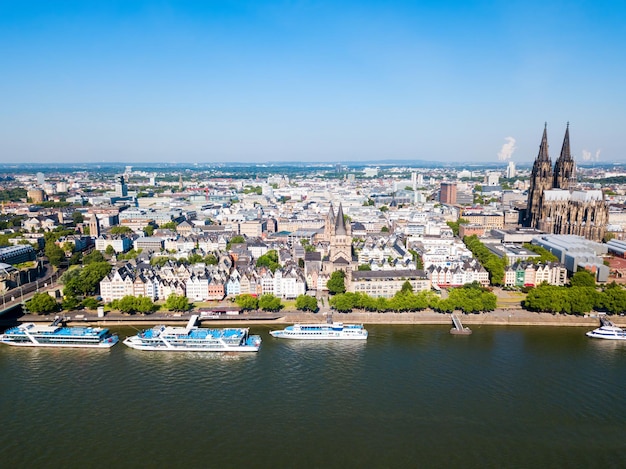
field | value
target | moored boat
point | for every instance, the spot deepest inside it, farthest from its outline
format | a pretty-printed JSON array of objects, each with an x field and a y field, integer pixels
[
  {"x": 333, "y": 331},
  {"x": 55, "y": 335},
  {"x": 608, "y": 332},
  {"x": 194, "y": 339}
]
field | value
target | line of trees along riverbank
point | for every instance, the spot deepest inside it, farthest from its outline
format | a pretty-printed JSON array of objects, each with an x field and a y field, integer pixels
[{"x": 471, "y": 298}]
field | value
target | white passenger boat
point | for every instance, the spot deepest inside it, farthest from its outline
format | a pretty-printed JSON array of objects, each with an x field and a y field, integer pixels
[
  {"x": 608, "y": 332},
  {"x": 194, "y": 339},
  {"x": 55, "y": 335},
  {"x": 334, "y": 331}
]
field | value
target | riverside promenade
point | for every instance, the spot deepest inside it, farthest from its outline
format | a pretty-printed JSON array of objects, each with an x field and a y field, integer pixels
[{"x": 499, "y": 317}]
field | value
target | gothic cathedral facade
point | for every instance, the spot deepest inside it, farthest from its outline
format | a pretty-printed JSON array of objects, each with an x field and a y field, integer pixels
[{"x": 554, "y": 206}]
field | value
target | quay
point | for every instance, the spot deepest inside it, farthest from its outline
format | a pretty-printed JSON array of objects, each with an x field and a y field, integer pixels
[
  {"x": 77, "y": 318},
  {"x": 499, "y": 317}
]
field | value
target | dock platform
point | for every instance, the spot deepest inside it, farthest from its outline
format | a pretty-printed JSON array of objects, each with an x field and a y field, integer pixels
[{"x": 458, "y": 328}]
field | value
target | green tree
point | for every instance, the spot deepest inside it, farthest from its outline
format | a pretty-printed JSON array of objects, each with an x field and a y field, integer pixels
[
  {"x": 608, "y": 237},
  {"x": 417, "y": 258},
  {"x": 306, "y": 303},
  {"x": 91, "y": 275},
  {"x": 247, "y": 302},
  {"x": 159, "y": 260},
  {"x": 176, "y": 302},
  {"x": 210, "y": 259},
  {"x": 336, "y": 283},
  {"x": 76, "y": 258},
  {"x": 54, "y": 253},
  {"x": 110, "y": 250},
  {"x": 131, "y": 304},
  {"x": 194, "y": 258},
  {"x": 269, "y": 260},
  {"x": 170, "y": 225},
  {"x": 455, "y": 225},
  {"x": 582, "y": 299},
  {"x": 94, "y": 256},
  {"x": 307, "y": 245},
  {"x": 77, "y": 217},
  {"x": 406, "y": 287},
  {"x": 492, "y": 263},
  {"x": 583, "y": 278},
  {"x": 544, "y": 254},
  {"x": 364, "y": 267},
  {"x": 70, "y": 303},
  {"x": 90, "y": 303},
  {"x": 144, "y": 305},
  {"x": 612, "y": 299},
  {"x": 269, "y": 302},
  {"x": 235, "y": 240},
  {"x": 121, "y": 230},
  {"x": 384, "y": 229},
  {"x": 42, "y": 303},
  {"x": 548, "y": 298},
  {"x": 148, "y": 230},
  {"x": 13, "y": 195},
  {"x": 342, "y": 302}
]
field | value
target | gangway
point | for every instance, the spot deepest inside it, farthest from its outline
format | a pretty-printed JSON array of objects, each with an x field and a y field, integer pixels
[
  {"x": 192, "y": 322},
  {"x": 458, "y": 328},
  {"x": 604, "y": 321},
  {"x": 57, "y": 320}
]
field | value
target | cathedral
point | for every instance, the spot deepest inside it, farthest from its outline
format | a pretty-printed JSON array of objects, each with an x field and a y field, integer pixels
[{"x": 554, "y": 206}]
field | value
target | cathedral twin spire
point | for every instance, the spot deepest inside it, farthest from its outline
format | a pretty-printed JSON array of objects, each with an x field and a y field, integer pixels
[
  {"x": 543, "y": 148},
  {"x": 543, "y": 177},
  {"x": 564, "y": 169}
]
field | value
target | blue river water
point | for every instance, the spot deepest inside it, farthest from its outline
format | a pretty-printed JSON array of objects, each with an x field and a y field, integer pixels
[{"x": 410, "y": 396}]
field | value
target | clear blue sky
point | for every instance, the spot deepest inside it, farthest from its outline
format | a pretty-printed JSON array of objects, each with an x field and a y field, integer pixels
[{"x": 296, "y": 80}]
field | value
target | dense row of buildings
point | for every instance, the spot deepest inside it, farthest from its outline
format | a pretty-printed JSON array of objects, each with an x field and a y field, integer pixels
[{"x": 381, "y": 232}]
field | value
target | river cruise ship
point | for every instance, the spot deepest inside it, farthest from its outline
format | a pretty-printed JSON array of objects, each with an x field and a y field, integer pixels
[
  {"x": 334, "y": 331},
  {"x": 55, "y": 335},
  {"x": 194, "y": 339}
]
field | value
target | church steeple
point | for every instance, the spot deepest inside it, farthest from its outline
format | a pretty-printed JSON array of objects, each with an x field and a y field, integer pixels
[
  {"x": 540, "y": 180},
  {"x": 564, "y": 168},
  {"x": 331, "y": 213},
  {"x": 543, "y": 148},
  {"x": 340, "y": 224}
]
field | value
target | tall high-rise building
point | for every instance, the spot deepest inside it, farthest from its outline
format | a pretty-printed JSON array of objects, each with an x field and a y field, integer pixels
[
  {"x": 121, "y": 189},
  {"x": 510, "y": 172},
  {"x": 94, "y": 226},
  {"x": 447, "y": 194}
]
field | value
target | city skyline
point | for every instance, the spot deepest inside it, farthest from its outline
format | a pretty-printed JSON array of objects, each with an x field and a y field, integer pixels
[{"x": 309, "y": 81}]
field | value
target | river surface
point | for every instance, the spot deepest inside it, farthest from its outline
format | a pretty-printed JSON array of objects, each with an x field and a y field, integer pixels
[{"x": 410, "y": 396}]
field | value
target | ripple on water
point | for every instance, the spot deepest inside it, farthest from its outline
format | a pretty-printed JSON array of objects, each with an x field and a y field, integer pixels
[{"x": 409, "y": 395}]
